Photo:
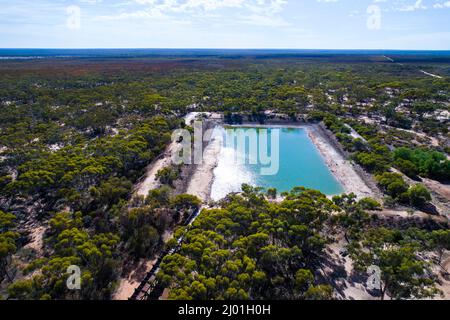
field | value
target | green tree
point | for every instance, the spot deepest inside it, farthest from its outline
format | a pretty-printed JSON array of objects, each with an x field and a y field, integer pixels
[
  {"x": 251, "y": 248},
  {"x": 369, "y": 204},
  {"x": 142, "y": 230},
  {"x": 159, "y": 197},
  {"x": 419, "y": 195},
  {"x": 167, "y": 176},
  {"x": 110, "y": 192},
  {"x": 8, "y": 244},
  {"x": 403, "y": 274},
  {"x": 407, "y": 167},
  {"x": 393, "y": 184},
  {"x": 320, "y": 292},
  {"x": 186, "y": 202},
  {"x": 440, "y": 240},
  {"x": 272, "y": 193},
  {"x": 304, "y": 279}
]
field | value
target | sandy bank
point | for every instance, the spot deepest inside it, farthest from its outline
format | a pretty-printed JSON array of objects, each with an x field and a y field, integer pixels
[
  {"x": 341, "y": 168},
  {"x": 202, "y": 180},
  {"x": 150, "y": 181}
]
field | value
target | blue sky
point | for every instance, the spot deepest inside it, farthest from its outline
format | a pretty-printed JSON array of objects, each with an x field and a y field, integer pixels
[{"x": 296, "y": 24}]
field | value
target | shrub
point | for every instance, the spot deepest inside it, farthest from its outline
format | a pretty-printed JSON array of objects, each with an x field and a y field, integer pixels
[
  {"x": 427, "y": 163},
  {"x": 392, "y": 183},
  {"x": 419, "y": 195},
  {"x": 369, "y": 204}
]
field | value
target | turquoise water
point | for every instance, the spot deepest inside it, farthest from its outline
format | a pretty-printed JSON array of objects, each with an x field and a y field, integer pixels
[{"x": 300, "y": 164}]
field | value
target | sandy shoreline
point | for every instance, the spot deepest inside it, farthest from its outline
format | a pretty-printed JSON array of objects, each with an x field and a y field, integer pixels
[
  {"x": 341, "y": 168},
  {"x": 201, "y": 182},
  {"x": 150, "y": 182}
]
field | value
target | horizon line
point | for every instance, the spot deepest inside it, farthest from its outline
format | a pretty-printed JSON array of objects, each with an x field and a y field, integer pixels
[{"x": 204, "y": 48}]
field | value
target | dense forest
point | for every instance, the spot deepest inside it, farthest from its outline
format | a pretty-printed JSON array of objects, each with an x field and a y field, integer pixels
[
  {"x": 251, "y": 248},
  {"x": 77, "y": 134}
]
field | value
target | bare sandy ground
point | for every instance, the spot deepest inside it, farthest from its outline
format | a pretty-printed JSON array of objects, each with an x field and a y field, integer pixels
[
  {"x": 440, "y": 188},
  {"x": 441, "y": 195},
  {"x": 440, "y": 192},
  {"x": 352, "y": 287},
  {"x": 434, "y": 142},
  {"x": 127, "y": 285},
  {"x": 37, "y": 239},
  {"x": 151, "y": 182},
  {"x": 201, "y": 182},
  {"x": 431, "y": 74},
  {"x": 445, "y": 276},
  {"x": 341, "y": 168},
  {"x": 346, "y": 287}
]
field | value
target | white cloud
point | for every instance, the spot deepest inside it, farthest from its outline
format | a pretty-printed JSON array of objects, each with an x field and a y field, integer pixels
[
  {"x": 442, "y": 5},
  {"x": 190, "y": 5},
  {"x": 252, "y": 12},
  {"x": 261, "y": 20},
  {"x": 418, "y": 5},
  {"x": 91, "y": 1}
]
